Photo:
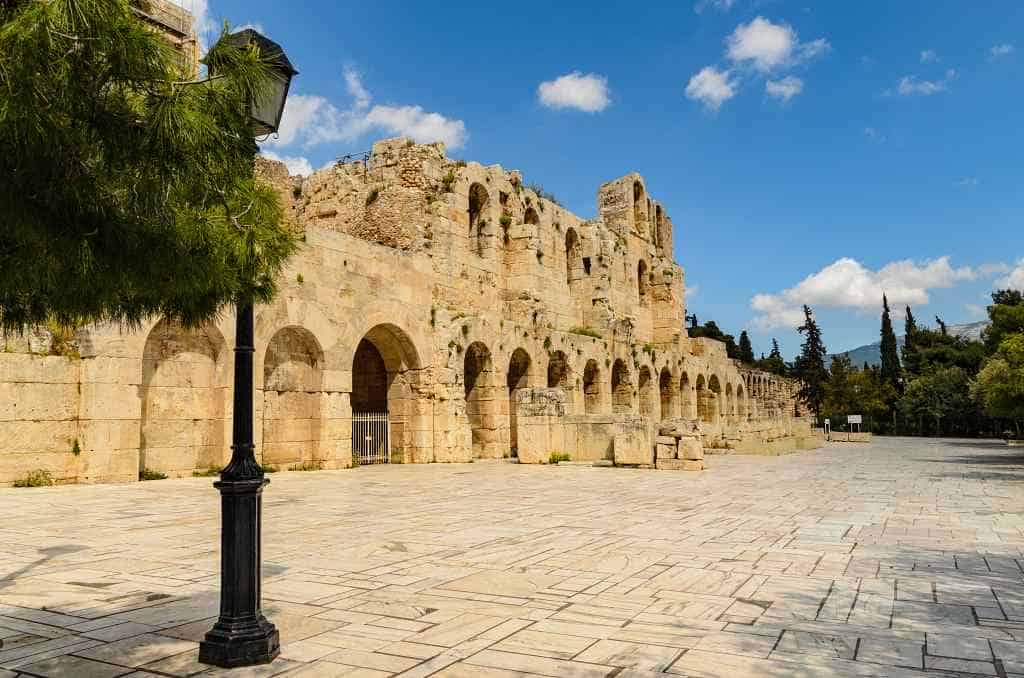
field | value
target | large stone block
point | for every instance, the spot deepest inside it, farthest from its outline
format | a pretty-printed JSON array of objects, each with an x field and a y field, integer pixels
[{"x": 633, "y": 444}]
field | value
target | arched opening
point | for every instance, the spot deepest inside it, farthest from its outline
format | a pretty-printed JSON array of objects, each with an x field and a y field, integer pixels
[
  {"x": 622, "y": 388},
  {"x": 478, "y": 203},
  {"x": 481, "y": 405},
  {"x": 741, "y": 403},
  {"x": 686, "y": 397},
  {"x": 729, "y": 404},
  {"x": 292, "y": 387},
  {"x": 573, "y": 257},
  {"x": 592, "y": 388},
  {"x": 559, "y": 372},
  {"x": 183, "y": 424},
  {"x": 385, "y": 419},
  {"x": 667, "y": 393},
  {"x": 641, "y": 280},
  {"x": 646, "y": 392},
  {"x": 704, "y": 408},
  {"x": 714, "y": 397},
  {"x": 517, "y": 379},
  {"x": 531, "y": 217},
  {"x": 638, "y": 206}
]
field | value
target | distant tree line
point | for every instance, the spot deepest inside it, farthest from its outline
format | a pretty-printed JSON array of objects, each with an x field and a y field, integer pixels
[{"x": 941, "y": 385}]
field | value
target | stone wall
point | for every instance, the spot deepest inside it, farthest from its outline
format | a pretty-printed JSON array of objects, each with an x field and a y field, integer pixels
[{"x": 488, "y": 320}]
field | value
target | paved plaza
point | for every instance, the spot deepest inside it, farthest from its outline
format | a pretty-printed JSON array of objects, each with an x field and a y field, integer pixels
[{"x": 896, "y": 559}]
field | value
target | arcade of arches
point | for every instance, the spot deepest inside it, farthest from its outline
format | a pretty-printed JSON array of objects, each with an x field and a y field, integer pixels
[{"x": 457, "y": 315}]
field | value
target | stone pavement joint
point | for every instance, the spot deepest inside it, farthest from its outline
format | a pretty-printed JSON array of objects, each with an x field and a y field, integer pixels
[{"x": 897, "y": 558}]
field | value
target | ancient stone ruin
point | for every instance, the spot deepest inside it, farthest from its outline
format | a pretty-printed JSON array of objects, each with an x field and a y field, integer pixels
[{"x": 437, "y": 311}]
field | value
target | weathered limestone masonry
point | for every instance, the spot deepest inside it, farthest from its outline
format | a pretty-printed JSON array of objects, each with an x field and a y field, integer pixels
[{"x": 485, "y": 320}]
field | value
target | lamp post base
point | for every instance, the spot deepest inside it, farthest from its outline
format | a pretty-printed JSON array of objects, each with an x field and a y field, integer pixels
[
  {"x": 230, "y": 645},
  {"x": 242, "y": 636}
]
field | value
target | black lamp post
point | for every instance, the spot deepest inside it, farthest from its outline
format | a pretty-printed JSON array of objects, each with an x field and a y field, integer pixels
[{"x": 242, "y": 636}]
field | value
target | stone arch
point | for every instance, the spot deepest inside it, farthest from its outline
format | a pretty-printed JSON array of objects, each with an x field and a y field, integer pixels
[
  {"x": 481, "y": 404},
  {"x": 517, "y": 379},
  {"x": 292, "y": 390},
  {"x": 559, "y": 371},
  {"x": 729, "y": 404},
  {"x": 622, "y": 388},
  {"x": 638, "y": 206},
  {"x": 715, "y": 396},
  {"x": 741, "y": 403},
  {"x": 668, "y": 395},
  {"x": 705, "y": 410},
  {"x": 531, "y": 217},
  {"x": 592, "y": 387},
  {"x": 641, "y": 280},
  {"x": 183, "y": 426},
  {"x": 646, "y": 392},
  {"x": 687, "y": 405},
  {"x": 573, "y": 257},
  {"x": 479, "y": 202},
  {"x": 385, "y": 371}
]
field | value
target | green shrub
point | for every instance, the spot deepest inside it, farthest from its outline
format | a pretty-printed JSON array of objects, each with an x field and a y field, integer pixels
[
  {"x": 585, "y": 331},
  {"x": 150, "y": 474},
  {"x": 206, "y": 473},
  {"x": 76, "y": 448},
  {"x": 506, "y": 220},
  {"x": 307, "y": 466},
  {"x": 37, "y": 478},
  {"x": 372, "y": 197},
  {"x": 559, "y": 456},
  {"x": 447, "y": 181},
  {"x": 269, "y": 468}
]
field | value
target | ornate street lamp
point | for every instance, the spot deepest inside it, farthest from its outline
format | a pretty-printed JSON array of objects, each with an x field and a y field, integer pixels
[{"x": 242, "y": 636}]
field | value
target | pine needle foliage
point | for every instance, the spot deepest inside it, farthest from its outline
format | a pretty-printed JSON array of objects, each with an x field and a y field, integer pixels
[{"x": 127, "y": 188}]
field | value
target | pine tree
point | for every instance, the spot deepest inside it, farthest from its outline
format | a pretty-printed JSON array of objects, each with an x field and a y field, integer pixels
[
  {"x": 889, "y": 350},
  {"x": 127, "y": 190},
  {"x": 810, "y": 364},
  {"x": 746, "y": 350}
]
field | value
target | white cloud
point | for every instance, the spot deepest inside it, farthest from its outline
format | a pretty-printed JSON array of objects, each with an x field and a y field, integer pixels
[
  {"x": 975, "y": 310},
  {"x": 909, "y": 85},
  {"x": 929, "y": 56},
  {"x": 1014, "y": 280},
  {"x": 1002, "y": 50},
  {"x": 311, "y": 120},
  {"x": 301, "y": 111},
  {"x": 295, "y": 164},
  {"x": 874, "y": 135},
  {"x": 770, "y": 46},
  {"x": 720, "y": 5},
  {"x": 995, "y": 268},
  {"x": 711, "y": 87},
  {"x": 846, "y": 283},
  {"x": 784, "y": 89},
  {"x": 968, "y": 182},
  {"x": 584, "y": 92}
]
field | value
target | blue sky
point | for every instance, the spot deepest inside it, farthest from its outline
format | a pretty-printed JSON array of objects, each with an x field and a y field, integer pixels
[{"x": 806, "y": 152}]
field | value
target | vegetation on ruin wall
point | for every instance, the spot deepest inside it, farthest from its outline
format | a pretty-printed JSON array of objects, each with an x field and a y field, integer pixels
[
  {"x": 941, "y": 384},
  {"x": 127, "y": 191}
]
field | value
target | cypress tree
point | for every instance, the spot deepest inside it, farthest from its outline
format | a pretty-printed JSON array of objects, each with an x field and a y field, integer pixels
[
  {"x": 890, "y": 351},
  {"x": 746, "y": 349},
  {"x": 910, "y": 343},
  {"x": 810, "y": 364}
]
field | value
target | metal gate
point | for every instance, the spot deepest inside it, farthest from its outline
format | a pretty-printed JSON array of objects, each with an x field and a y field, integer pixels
[{"x": 371, "y": 438}]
